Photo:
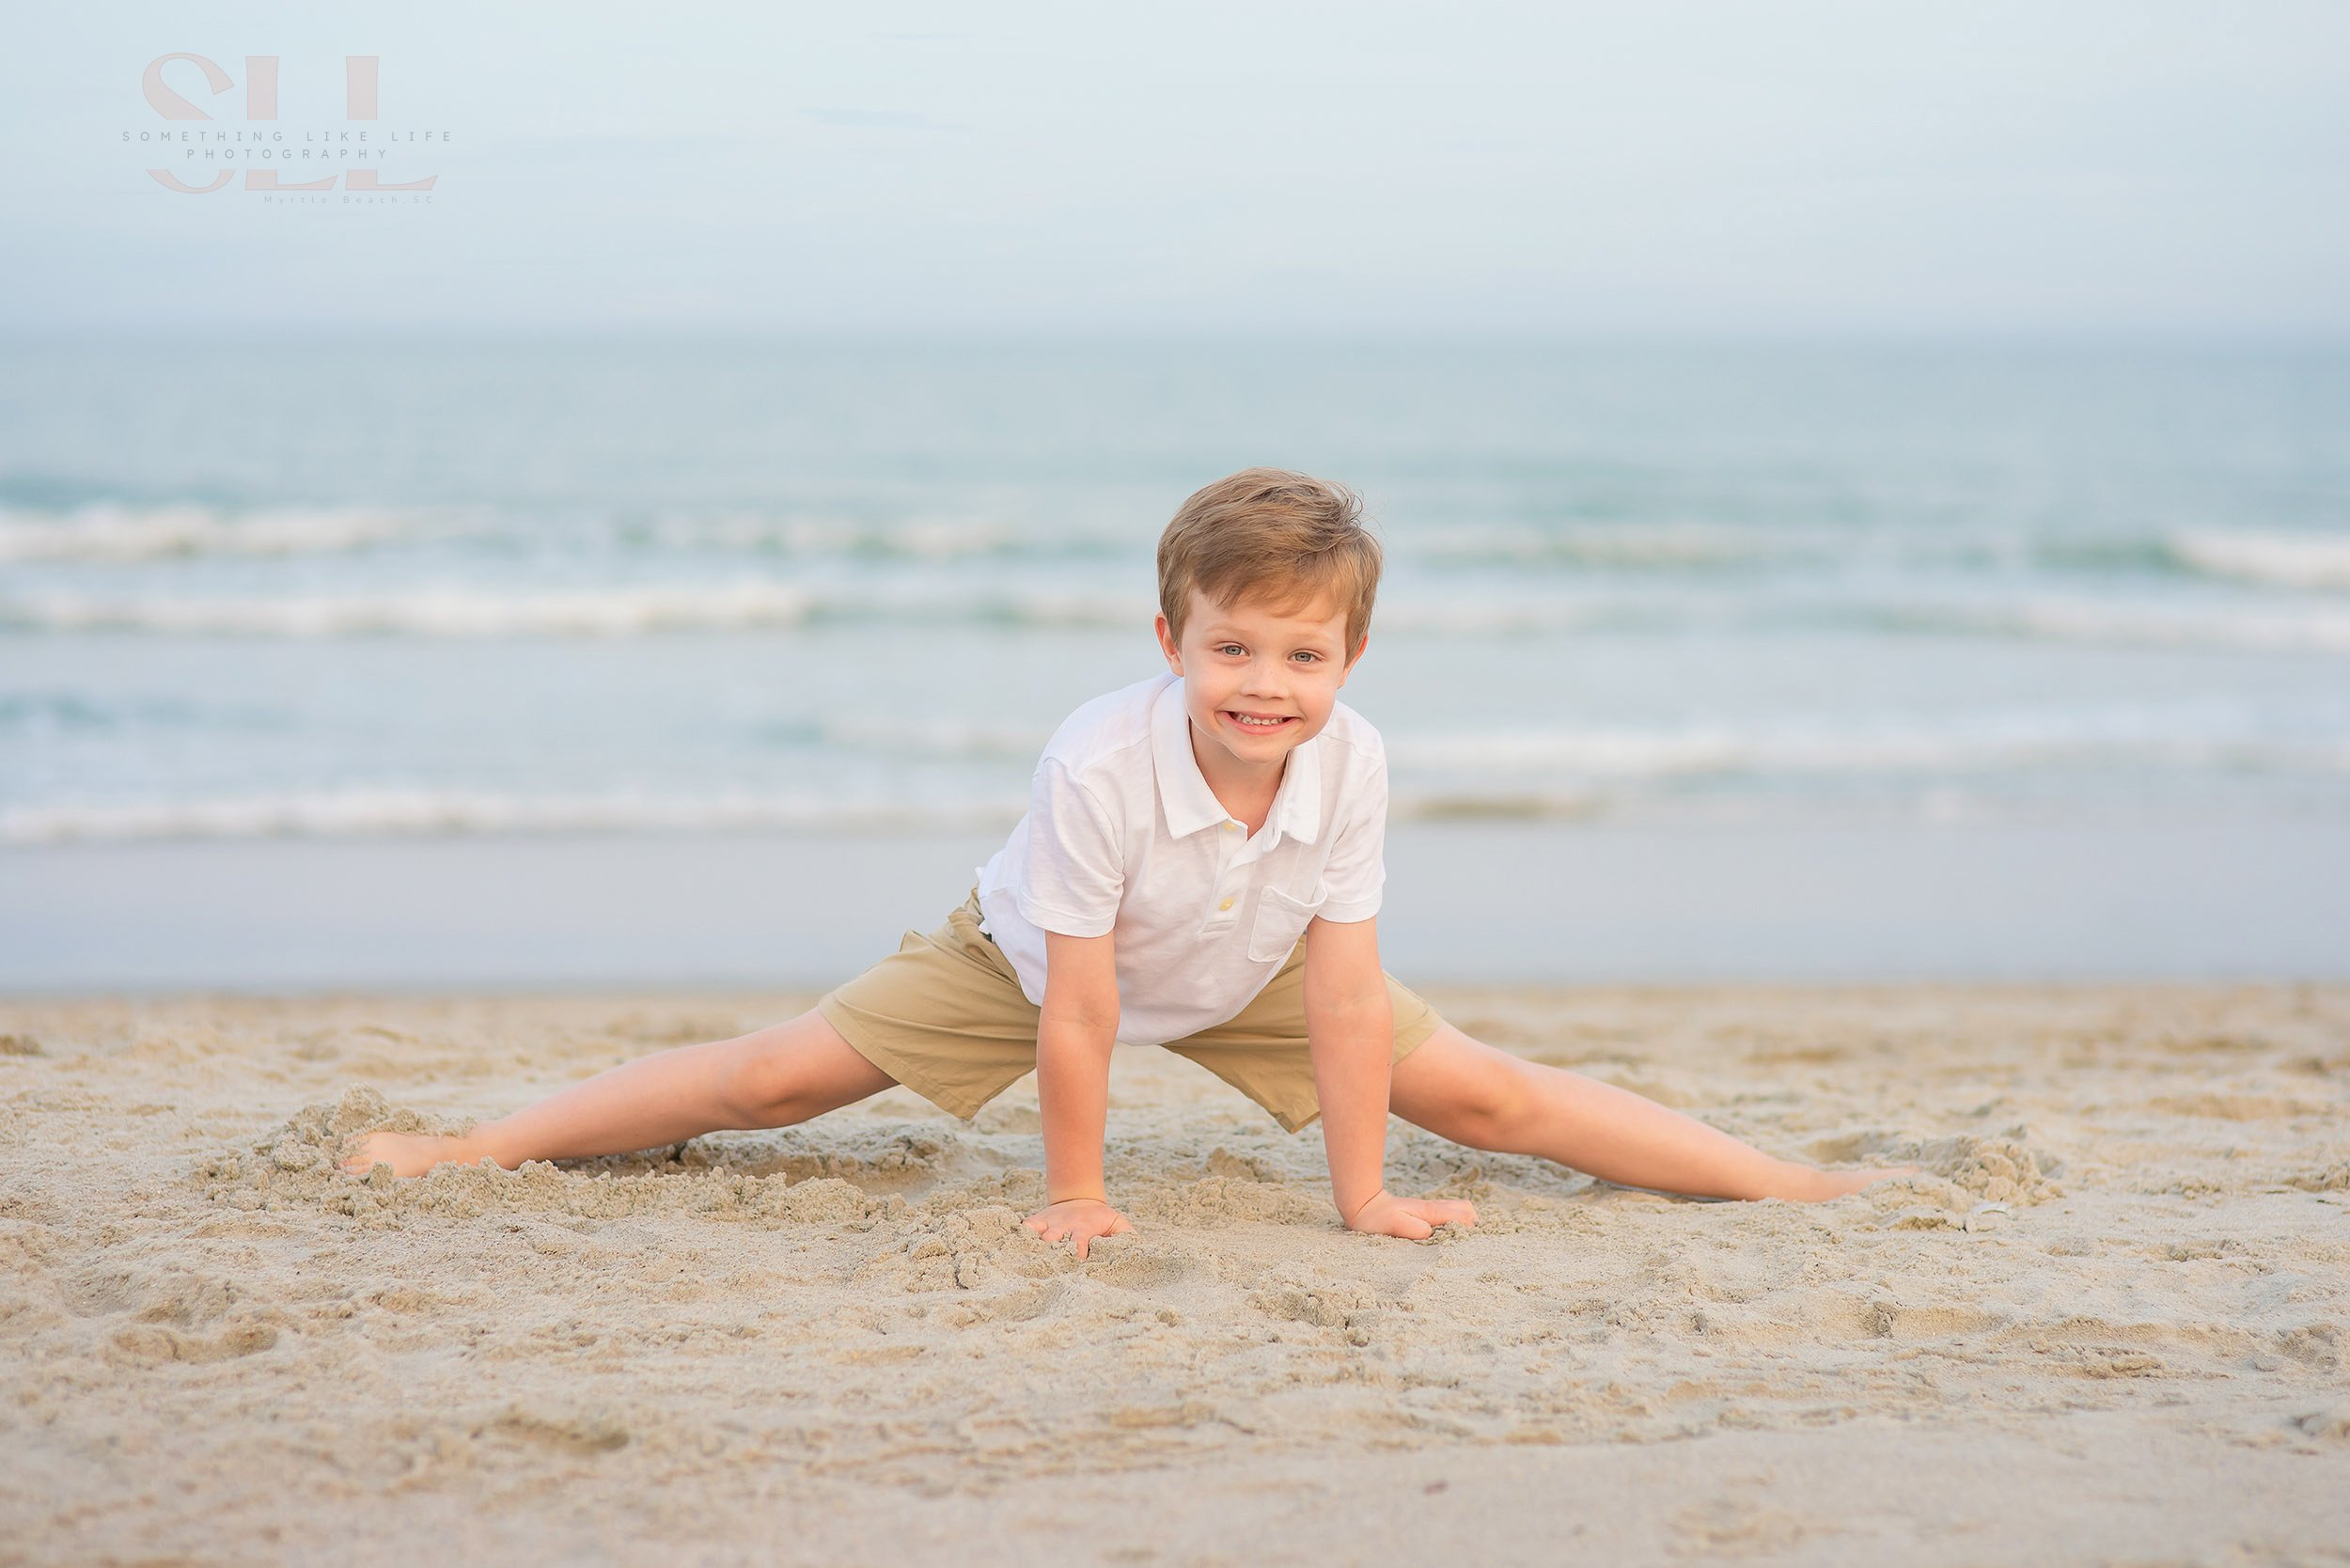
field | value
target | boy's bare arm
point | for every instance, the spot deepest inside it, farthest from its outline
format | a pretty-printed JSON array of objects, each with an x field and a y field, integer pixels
[
  {"x": 1349, "y": 1028},
  {"x": 1075, "y": 1034}
]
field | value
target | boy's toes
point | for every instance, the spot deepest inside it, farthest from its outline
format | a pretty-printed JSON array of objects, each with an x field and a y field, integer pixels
[{"x": 378, "y": 1148}]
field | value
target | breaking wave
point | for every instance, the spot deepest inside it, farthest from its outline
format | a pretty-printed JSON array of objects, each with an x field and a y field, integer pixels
[
  {"x": 109, "y": 533},
  {"x": 2277, "y": 560}
]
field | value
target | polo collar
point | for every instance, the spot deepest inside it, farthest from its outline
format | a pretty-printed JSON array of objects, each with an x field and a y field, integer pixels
[{"x": 1187, "y": 803}]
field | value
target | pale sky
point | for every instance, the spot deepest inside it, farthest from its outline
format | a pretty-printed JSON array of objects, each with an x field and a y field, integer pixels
[{"x": 1359, "y": 168}]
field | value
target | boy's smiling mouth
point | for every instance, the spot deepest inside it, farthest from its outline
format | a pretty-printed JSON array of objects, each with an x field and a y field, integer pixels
[{"x": 1257, "y": 724}]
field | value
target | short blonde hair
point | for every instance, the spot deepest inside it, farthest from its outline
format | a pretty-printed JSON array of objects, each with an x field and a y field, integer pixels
[{"x": 1269, "y": 535}]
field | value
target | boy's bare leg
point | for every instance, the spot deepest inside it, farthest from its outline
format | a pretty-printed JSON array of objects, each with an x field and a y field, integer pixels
[
  {"x": 770, "y": 1078},
  {"x": 1466, "y": 1090}
]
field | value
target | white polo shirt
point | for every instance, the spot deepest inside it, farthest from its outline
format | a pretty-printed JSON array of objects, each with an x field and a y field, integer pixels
[{"x": 1124, "y": 834}]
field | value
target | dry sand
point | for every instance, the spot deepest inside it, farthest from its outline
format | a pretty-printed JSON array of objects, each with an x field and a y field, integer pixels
[{"x": 2110, "y": 1328}]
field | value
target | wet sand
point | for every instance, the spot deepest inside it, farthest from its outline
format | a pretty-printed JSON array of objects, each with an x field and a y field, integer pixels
[{"x": 2109, "y": 1327}]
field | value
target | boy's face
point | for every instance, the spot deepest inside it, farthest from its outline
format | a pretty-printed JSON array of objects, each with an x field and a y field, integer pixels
[{"x": 1241, "y": 659}]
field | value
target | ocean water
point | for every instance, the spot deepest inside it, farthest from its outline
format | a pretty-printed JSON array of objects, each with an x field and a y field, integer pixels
[{"x": 402, "y": 591}]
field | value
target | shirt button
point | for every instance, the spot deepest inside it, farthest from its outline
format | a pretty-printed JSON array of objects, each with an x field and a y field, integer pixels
[{"x": 1226, "y": 904}]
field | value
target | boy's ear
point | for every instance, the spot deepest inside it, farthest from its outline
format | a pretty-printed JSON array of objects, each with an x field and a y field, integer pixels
[{"x": 1166, "y": 644}]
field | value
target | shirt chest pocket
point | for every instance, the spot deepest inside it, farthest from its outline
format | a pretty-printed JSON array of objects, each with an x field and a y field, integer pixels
[{"x": 1281, "y": 919}]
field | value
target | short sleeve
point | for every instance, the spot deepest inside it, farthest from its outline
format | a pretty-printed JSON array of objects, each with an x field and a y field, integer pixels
[
  {"x": 1357, "y": 867},
  {"x": 1077, "y": 865}
]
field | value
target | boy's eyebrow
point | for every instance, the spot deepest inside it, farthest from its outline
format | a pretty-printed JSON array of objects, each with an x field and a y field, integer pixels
[{"x": 1225, "y": 628}]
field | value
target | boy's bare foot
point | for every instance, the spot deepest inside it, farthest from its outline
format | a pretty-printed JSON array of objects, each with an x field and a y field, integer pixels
[
  {"x": 1817, "y": 1186},
  {"x": 409, "y": 1153}
]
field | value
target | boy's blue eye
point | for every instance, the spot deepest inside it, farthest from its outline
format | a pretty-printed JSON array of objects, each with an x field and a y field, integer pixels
[{"x": 1235, "y": 647}]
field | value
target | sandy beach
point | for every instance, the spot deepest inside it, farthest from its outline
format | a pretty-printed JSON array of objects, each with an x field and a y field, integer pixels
[{"x": 2109, "y": 1327}]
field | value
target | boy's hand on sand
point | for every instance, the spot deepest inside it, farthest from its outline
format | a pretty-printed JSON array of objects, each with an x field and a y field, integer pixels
[
  {"x": 1412, "y": 1218},
  {"x": 1077, "y": 1219}
]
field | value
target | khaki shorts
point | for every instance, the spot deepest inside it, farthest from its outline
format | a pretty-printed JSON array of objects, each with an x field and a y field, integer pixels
[{"x": 945, "y": 1017}]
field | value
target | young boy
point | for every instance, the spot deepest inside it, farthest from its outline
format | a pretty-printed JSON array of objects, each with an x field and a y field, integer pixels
[{"x": 1200, "y": 869}]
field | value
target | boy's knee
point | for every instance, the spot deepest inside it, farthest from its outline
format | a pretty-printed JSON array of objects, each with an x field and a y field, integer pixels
[
  {"x": 1495, "y": 1110},
  {"x": 760, "y": 1084}
]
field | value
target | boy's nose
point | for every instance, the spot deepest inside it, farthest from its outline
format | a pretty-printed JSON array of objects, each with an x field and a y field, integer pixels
[{"x": 1263, "y": 680}]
